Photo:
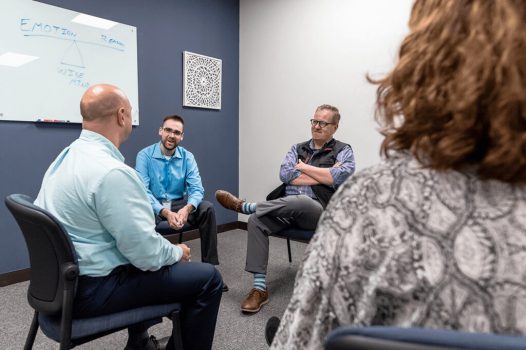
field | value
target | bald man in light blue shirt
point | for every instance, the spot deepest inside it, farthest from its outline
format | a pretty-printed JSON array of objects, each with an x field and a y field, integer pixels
[
  {"x": 104, "y": 207},
  {"x": 83, "y": 197}
]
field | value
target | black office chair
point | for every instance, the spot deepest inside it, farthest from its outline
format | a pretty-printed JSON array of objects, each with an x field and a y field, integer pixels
[
  {"x": 53, "y": 280},
  {"x": 394, "y": 338},
  {"x": 294, "y": 234}
]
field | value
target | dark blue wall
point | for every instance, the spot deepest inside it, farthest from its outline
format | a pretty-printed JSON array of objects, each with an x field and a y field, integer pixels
[{"x": 165, "y": 28}]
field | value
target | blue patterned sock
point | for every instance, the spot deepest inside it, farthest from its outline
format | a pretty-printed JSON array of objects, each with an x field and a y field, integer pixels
[
  {"x": 260, "y": 281},
  {"x": 248, "y": 208}
]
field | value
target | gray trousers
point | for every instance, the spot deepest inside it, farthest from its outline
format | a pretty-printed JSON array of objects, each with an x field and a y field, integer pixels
[{"x": 273, "y": 216}]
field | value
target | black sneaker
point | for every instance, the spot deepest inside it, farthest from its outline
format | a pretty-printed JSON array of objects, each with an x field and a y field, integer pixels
[
  {"x": 147, "y": 344},
  {"x": 225, "y": 287},
  {"x": 271, "y": 328}
]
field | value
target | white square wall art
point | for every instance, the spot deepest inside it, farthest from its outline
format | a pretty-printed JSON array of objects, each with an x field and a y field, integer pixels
[{"x": 201, "y": 81}]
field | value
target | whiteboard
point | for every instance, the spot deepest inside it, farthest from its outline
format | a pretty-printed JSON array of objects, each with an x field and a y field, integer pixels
[{"x": 69, "y": 58}]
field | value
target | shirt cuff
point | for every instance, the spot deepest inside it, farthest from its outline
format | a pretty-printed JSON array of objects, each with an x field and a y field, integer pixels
[
  {"x": 178, "y": 253},
  {"x": 194, "y": 202},
  {"x": 157, "y": 207}
]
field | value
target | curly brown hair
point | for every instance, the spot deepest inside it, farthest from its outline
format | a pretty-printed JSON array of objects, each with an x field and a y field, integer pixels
[{"x": 457, "y": 96}]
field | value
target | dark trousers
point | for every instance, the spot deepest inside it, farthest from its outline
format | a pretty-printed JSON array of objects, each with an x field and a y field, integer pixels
[
  {"x": 197, "y": 286},
  {"x": 203, "y": 218}
]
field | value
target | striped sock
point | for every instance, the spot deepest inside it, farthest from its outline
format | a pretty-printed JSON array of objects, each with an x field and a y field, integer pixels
[
  {"x": 248, "y": 208},
  {"x": 260, "y": 281}
]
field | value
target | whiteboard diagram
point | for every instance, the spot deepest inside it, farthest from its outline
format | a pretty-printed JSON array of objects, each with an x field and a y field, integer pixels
[
  {"x": 73, "y": 57},
  {"x": 69, "y": 57}
]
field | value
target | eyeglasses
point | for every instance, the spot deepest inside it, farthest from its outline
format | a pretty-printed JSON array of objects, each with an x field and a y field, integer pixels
[
  {"x": 172, "y": 131},
  {"x": 321, "y": 123}
]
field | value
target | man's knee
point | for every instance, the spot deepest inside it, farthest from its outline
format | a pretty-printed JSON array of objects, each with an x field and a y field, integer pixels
[
  {"x": 215, "y": 280},
  {"x": 256, "y": 229},
  {"x": 207, "y": 275},
  {"x": 206, "y": 207},
  {"x": 206, "y": 211},
  {"x": 304, "y": 203},
  {"x": 252, "y": 223}
]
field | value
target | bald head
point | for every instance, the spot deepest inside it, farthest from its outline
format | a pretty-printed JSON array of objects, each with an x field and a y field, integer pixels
[
  {"x": 106, "y": 110},
  {"x": 101, "y": 101}
]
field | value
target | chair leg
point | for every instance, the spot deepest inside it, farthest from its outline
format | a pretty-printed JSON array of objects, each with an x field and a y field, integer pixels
[
  {"x": 288, "y": 248},
  {"x": 181, "y": 237},
  {"x": 177, "y": 340},
  {"x": 32, "y": 332},
  {"x": 65, "y": 323}
]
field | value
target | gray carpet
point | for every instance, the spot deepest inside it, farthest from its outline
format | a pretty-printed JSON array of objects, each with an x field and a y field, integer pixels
[{"x": 234, "y": 330}]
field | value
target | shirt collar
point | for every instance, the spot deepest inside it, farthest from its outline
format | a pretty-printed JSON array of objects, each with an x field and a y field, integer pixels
[
  {"x": 311, "y": 145},
  {"x": 157, "y": 153},
  {"x": 88, "y": 135}
]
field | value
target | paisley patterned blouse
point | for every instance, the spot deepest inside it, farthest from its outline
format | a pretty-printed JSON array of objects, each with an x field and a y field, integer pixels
[{"x": 406, "y": 246}]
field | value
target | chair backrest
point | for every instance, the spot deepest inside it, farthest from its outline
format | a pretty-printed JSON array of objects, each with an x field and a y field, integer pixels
[
  {"x": 396, "y": 338},
  {"x": 52, "y": 258}
]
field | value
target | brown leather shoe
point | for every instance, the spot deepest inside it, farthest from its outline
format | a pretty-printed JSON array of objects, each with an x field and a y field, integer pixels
[
  {"x": 229, "y": 201},
  {"x": 255, "y": 300}
]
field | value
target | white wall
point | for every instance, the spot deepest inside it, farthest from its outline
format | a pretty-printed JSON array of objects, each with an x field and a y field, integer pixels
[{"x": 298, "y": 54}]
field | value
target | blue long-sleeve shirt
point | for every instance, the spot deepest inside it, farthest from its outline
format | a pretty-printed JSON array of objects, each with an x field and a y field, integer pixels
[
  {"x": 104, "y": 207},
  {"x": 169, "y": 179}
]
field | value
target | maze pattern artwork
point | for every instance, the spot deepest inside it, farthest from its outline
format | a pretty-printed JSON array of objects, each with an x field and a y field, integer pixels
[{"x": 202, "y": 81}]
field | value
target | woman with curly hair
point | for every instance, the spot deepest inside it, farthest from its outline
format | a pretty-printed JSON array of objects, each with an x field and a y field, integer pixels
[{"x": 435, "y": 236}]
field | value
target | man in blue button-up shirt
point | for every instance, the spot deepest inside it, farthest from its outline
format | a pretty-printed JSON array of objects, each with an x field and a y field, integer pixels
[
  {"x": 171, "y": 178},
  {"x": 104, "y": 207}
]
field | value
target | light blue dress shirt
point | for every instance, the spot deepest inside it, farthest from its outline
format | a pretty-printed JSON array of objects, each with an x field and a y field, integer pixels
[
  {"x": 169, "y": 179},
  {"x": 103, "y": 206}
]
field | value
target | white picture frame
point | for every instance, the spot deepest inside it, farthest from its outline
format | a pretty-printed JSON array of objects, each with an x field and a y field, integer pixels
[{"x": 202, "y": 78}]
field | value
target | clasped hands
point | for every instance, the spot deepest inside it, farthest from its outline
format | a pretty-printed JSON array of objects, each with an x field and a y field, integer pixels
[{"x": 176, "y": 220}]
